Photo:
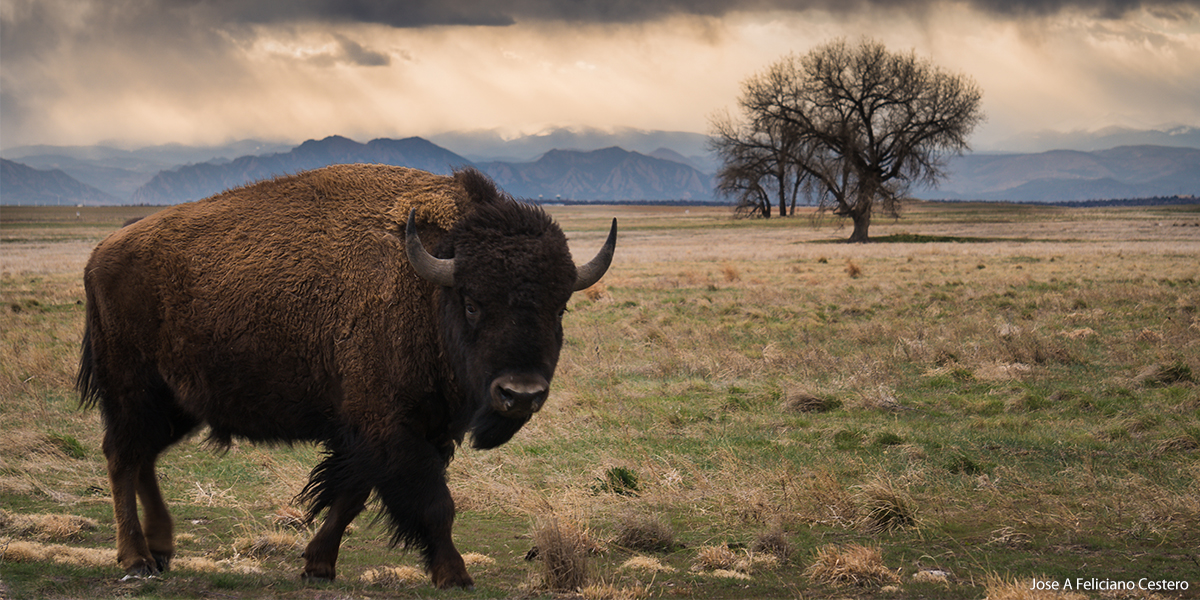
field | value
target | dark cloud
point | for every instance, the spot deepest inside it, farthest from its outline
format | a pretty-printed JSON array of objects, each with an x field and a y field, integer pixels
[
  {"x": 354, "y": 53},
  {"x": 420, "y": 13},
  {"x": 405, "y": 14}
]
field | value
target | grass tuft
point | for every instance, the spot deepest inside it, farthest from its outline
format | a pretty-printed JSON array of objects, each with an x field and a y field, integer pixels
[
  {"x": 563, "y": 547},
  {"x": 888, "y": 507},
  {"x": 46, "y": 528},
  {"x": 714, "y": 558},
  {"x": 802, "y": 401},
  {"x": 1164, "y": 375},
  {"x": 394, "y": 577},
  {"x": 68, "y": 445},
  {"x": 773, "y": 543},
  {"x": 645, "y": 532},
  {"x": 622, "y": 481},
  {"x": 850, "y": 564},
  {"x": 647, "y": 564},
  {"x": 608, "y": 591},
  {"x": 268, "y": 544}
]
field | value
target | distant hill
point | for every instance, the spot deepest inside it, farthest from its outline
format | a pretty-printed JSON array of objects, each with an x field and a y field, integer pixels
[
  {"x": 192, "y": 182},
  {"x": 121, "y": 172},
  {"x": 1070, "y": 175},
  {"x": 22, "y": 184},
  {"x": 612, "y": 174},
  {"x": 598, "y": 165},
  {"x": 491, "y": 146},
  {"x": 609, "y": 174},
  {"x": 1109, "y": 137}
]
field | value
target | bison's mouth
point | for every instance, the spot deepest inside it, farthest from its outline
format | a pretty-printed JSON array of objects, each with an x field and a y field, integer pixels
[
  {"x": 518, "y": 396},
  {"x": 512, "y": 400},
  {"x": 491, "y": 429}
]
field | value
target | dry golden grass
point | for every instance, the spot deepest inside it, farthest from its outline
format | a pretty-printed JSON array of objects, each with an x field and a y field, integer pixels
[
  {"x": 803, "y": 401},
  {"x": 403, "y": 576},
  {"x": 886, "y": 505},
  {"x": 45, "y": 528},
  {"x": 21, "y": 551},
  {"x": 853, "y": 270},
  {"x": 268, "y": 544},
  {"x": 828, "y": 502},
  {"x": 563, "y": 546},
  {"x": 606, "y": 591},
  {"x": 850, "y": 564},
  {"x": 647, "y": 564},
  {"x": 773, "y": 543},
  {"x": 714, "y": 558},
  {"x": 719, "y": 362},
  {"x": 644, "y": 532}
]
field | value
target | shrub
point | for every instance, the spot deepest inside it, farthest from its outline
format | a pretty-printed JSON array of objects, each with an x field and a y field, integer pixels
[{"x": 645, "y": 533}]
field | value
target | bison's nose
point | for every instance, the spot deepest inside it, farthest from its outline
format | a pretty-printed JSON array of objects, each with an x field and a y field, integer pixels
[{"x": 519, "y": 395}]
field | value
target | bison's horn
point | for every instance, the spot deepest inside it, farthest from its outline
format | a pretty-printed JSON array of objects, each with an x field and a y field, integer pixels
[
  {"x": 587, "y": 275},
  {"x": 431, "y": 268}
]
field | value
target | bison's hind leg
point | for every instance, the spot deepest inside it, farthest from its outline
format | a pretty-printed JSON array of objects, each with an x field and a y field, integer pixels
[{"x": 136, "y": 432}]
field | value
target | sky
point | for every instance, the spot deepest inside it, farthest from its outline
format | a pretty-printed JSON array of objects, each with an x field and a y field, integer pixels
[{"x": 143, "y": 72}]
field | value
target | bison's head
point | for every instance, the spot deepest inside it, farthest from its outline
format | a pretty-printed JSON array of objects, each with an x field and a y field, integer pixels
[{"x": 505, "y": 280}]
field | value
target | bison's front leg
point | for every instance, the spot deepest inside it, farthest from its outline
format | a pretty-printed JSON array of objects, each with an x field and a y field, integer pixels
[
  {"x": 445, "y": 563},
  {"x": 321, "y": 554},
  {"x": 422, "y": 512}
]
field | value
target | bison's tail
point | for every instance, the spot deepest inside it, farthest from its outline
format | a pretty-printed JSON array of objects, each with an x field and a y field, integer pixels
[{"x": 86, "y": 382}]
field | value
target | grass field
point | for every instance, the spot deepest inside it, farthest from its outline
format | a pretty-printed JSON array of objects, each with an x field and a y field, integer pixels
[{"x": 1000, "y": 395}]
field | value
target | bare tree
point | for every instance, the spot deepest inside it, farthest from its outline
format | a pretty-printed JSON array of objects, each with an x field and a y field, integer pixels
[
  {"x": 857, "y": 124},
  {"x": 758, "y": 168}
]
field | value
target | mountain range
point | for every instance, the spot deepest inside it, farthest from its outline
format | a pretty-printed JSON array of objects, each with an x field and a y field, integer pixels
[
  {"x": 1071, "y": 175},
  {"x": 567, "y": 164},
  {"x": 21, "y": 184}
]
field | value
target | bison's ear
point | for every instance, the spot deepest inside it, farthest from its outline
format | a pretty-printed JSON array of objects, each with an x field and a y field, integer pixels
[
  {"x": 587, "y": 275},
  {"x": 435, "y": 270}
]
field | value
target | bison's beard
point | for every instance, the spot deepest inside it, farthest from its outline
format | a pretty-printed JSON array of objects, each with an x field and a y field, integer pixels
[{"x": 491, "y": 429}]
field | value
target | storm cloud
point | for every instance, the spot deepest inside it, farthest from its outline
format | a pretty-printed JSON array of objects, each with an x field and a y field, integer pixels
[
  {"x": 423, "y": 13},
  {"x": 191, "y": 71}
]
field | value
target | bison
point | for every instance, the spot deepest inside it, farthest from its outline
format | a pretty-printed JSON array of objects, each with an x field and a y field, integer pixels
[{"x": 290, "y": 310}]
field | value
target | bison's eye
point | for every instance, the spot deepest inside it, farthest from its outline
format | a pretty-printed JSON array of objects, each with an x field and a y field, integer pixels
[
  {"x": 561, "y": 312},
  {"x": 472, "y": 311}
]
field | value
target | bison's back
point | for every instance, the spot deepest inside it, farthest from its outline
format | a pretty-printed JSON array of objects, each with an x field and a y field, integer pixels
[{"x": 256, "y": 306}]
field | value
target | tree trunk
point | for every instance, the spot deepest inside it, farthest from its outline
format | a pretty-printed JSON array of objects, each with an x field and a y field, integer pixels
[{"x": 861, "y": 223}]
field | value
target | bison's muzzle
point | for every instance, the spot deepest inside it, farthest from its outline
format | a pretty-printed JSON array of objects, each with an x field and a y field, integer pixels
[{"x": 519, "y": 396}]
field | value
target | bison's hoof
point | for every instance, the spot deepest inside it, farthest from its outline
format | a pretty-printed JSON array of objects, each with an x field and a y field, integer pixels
[
  {"x": 141, "y": 569},
  {"x": 162, "y": 561},
  {"x": 318, "y": 575},
  {"x": 468, "y": 584},
  {"x": 445, "y": 581}
]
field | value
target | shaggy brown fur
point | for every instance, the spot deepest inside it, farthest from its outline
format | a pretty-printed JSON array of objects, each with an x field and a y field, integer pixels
[{"x": 287, "y": 310}]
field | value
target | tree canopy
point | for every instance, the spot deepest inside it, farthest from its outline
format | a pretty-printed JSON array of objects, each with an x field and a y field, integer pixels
[{"x": 848, "y": 126}]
